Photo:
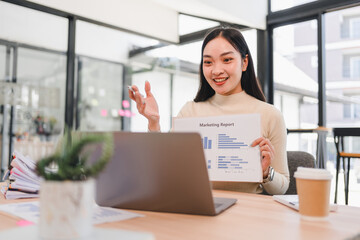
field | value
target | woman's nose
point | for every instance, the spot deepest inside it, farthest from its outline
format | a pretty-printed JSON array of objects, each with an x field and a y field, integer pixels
[{"x": 217, "y": 69}]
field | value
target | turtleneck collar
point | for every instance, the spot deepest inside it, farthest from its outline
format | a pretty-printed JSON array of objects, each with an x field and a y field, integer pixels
[{"x": 229, "y": 99}]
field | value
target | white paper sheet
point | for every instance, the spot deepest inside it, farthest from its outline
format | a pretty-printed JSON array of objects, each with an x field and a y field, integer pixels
[
  {"x": 30, "y": 212},
  {"x": 227, "y": 145}
]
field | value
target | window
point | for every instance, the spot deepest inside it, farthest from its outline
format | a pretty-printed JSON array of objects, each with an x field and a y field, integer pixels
[
  {"x": 295, "y": 71},
  {"x": 342, "y": 78},
  {"x": 296, "y": 84},
  {"x": 347, "y": 110},
  {"x": 351, "y": 66},
  {"x": 354, "y": 27},
  {"x": 350, "y": 27},
  {"x": 355, "y": 67},
  {"x": 295, "y": 77},
  {"x": 314, "y": 61},
  {"x": 342, "y": 69}
]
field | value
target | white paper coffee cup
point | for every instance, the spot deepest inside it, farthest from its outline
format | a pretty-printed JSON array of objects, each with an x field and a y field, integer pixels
[{"x": 313, "y": 187}]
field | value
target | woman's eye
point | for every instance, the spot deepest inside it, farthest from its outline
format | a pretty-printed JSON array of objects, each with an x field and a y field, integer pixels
[
  {"x": 227, "y": 59},
  {"x": 207, "y": 62}
]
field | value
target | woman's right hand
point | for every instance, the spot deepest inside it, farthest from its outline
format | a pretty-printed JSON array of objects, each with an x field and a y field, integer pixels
[{"x": 147, "y": 106}]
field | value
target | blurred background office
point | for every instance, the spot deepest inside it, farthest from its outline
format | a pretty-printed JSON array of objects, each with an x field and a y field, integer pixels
[{"x": 69, "y": 63}]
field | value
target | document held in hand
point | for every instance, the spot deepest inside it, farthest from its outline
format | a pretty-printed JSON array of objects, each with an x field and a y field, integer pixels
[{"x": 227, "y": 145}]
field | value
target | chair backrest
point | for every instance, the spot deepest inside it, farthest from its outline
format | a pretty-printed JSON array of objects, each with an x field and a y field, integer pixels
[
  {"x": 355, "y": 132},
  {"x": 297, "y": 159},
  {"x": 341, "y": 133}
]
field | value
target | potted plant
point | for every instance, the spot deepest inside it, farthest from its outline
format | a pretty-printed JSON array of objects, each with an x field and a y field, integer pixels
[{"x": 67, "y": 192}]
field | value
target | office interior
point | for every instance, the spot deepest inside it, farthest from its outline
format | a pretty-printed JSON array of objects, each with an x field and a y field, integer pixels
[{"x": 70, "y": 62}]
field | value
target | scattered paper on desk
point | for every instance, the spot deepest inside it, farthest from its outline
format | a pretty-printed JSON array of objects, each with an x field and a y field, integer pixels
[
  {"x": 30, "y": 212},
  {"x": 107, "y": 214},
  {"x": 227, "y": 145},
  {"x": 25, "y": 210},
  {"x": 292, "y": 201}
]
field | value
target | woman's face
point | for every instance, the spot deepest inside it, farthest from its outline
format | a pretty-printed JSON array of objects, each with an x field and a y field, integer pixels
[{"x": 223, "y": 66}]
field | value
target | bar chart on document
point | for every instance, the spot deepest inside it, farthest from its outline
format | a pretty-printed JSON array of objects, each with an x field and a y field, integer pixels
[{"x": 227, "y": 145}]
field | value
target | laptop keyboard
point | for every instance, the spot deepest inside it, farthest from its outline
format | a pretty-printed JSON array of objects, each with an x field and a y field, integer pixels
[{"x": 217, "y": 205}]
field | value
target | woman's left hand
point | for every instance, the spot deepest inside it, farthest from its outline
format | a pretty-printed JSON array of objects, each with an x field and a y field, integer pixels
[{"x": 267, "y": 153}]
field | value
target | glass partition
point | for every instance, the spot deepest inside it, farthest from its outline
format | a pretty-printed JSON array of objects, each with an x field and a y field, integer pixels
[
  {"x": 32, "y": 103},
  {"x": 100, "y": 86},
  {"x": 40, "y": 108}
]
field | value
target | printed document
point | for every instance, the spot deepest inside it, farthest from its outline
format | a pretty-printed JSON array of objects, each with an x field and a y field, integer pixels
[
  {"x": 227, "y": 145},
  {"x": 30, "y": 211}
]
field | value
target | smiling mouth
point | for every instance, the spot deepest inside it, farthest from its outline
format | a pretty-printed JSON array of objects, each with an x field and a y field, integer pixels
[{"x": 218, "y": 80}]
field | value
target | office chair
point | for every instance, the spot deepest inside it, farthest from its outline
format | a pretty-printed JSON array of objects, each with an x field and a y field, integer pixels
[
  {"x": 339, "y": 135},
  {"x": 297, "y": 159}
]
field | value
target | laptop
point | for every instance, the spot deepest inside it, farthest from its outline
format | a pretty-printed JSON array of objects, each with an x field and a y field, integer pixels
[{"x": 164, "y": 172}]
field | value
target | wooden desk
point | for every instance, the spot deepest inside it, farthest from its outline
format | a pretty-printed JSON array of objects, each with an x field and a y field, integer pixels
[
  {"x": 253, "y": 217},
  {"x": 321, "y": 132}
]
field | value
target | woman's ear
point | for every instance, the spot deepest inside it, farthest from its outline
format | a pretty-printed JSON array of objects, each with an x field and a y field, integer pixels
[{"x": 245, "y": 63}]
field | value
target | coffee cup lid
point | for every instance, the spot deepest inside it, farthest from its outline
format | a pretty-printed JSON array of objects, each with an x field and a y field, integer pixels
[{"x": 312, "y": 173}]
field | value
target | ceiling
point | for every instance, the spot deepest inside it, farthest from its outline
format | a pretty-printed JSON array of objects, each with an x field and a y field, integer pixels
[{"x": 159, "y": 18}]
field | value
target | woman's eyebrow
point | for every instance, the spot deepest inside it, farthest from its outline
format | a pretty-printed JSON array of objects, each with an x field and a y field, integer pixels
[
  {"x": 226, "y": 53},
  {"x": 223, "y": 54}
]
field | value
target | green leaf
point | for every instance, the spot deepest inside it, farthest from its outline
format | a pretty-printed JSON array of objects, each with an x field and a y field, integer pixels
[{"x": 71, "y": 159}]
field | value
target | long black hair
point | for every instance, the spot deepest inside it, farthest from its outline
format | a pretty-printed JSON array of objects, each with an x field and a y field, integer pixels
[{"x": 249, "y": 82}]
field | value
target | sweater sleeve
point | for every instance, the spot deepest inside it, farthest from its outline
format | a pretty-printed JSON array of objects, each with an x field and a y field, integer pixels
[{"x": 277, "y": 136}]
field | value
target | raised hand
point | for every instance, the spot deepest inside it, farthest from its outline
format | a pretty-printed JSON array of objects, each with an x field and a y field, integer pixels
[{"x": 147, "y": 106}]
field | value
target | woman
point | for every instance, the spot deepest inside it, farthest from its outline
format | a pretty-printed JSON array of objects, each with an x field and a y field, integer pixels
[{"x": 228, "y": 85}]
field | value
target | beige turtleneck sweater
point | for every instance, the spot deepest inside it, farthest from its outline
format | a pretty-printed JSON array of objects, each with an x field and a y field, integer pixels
[{"x": 272, "y": 127}]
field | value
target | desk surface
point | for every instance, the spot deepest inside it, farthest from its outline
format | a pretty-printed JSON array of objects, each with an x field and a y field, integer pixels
[{"x": 252, "y": 217}]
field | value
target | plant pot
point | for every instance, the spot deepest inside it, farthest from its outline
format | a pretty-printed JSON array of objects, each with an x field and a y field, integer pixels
[{"x": 66, "y": 209}]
